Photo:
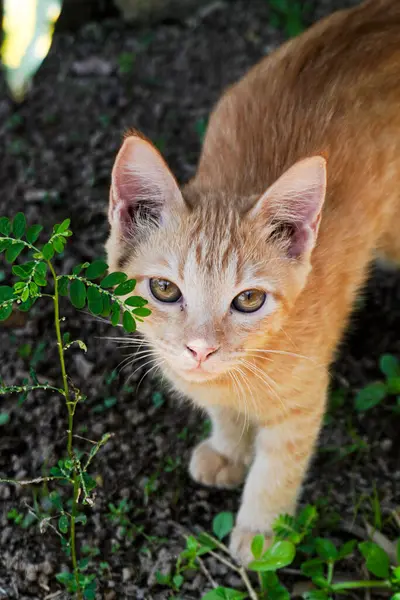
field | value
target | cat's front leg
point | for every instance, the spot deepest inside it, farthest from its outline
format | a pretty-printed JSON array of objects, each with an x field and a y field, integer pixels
[
  {"x": 282, "y": 454},
  {"x": 222, "y": 460}
]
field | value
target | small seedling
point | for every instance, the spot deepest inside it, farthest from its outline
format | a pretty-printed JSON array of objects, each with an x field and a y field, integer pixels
[
  {"x": 375, "y": 393},
  {"x": 126, "y": 62}
]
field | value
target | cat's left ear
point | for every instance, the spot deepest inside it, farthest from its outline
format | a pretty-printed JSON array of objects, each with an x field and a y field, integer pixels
[
  {"x": 143, "y": 188},
  {"x": 292, "y": 206}
]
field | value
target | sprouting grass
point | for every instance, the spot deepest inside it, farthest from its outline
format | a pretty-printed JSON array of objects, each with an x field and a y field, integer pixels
[{"x": 288, "y": 15}]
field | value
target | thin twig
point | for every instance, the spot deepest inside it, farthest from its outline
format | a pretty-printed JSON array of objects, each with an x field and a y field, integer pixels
[{"x": 206, "y": 572}]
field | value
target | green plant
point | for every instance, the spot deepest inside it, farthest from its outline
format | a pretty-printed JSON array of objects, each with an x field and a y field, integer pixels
[
  {"x": 88, "y": 285},
  {"x": 288, "y": 14},
  {"x": 295, "y": 540},
  {"x": 126, "y": 62},
  {"x": 374, "y": 393}
]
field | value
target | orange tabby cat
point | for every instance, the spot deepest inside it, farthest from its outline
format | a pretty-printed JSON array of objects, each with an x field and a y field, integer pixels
[{"x": 251, "y": 270}]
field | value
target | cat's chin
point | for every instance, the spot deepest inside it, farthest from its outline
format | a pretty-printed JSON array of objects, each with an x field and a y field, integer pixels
[{"x": 197, "y": 375}]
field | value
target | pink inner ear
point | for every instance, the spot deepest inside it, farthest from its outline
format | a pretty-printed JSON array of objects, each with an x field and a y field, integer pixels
[
  {"x": 142, "y": 185},
  {"x": 295, "y": 200}
]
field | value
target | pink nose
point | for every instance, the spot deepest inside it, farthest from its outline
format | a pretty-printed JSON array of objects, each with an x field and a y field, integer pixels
[{"x": 201, "y": 352}]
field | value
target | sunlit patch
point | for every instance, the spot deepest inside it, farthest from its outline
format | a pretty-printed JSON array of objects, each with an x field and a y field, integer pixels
[
  {"x": 53, "y": 12},
  {"x": 28, "y": 27},
  {"x": 18, "y": 33},
  {"x": 42, "y": 45}
]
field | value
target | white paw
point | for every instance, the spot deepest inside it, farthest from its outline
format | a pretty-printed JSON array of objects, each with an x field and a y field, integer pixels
[{"x": 209, "y": 467}]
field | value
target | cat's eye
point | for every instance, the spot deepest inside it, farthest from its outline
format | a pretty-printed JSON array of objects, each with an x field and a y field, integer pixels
[
  {"x": 249, "y": 301},
  {"x": 164, "y": 290}
]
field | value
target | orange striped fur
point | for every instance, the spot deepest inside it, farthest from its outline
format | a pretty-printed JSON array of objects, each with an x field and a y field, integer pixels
[{"x": 333, "y": 92}]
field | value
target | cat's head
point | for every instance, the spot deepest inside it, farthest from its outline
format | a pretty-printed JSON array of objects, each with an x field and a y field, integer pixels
[{"x": 220, "y": 274}]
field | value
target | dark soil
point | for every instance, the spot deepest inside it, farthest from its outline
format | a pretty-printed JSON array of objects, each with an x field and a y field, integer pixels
[{"x": 56, "y": 154}]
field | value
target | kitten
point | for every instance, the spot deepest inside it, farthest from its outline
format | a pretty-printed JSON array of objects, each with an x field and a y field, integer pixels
[{"x": 251, "y": 270}]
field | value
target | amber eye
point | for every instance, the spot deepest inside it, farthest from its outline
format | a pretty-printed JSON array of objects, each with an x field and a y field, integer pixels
[
  {"x": 249, "y": 301},
  {"x": 164, "y": 290}
]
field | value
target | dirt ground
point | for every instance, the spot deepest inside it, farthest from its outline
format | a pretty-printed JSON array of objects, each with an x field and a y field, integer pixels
[{"x": 56, "y": 155}]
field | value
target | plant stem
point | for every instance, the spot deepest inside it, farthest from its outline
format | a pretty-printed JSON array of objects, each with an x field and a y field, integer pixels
[
  {"x": 351, "y": 585},
  {"x": 241, "y": 571},
  {"x": 72, "y": 534},
  {"x": 330, "y": 571},
  {"x": 71, "y": 411}
]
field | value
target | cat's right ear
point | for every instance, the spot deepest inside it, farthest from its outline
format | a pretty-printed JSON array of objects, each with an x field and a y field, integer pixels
[{"x": 143, "y": 189}]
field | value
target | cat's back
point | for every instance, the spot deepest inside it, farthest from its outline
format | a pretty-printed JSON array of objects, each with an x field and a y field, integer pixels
[{"x": 337, "y": 84}]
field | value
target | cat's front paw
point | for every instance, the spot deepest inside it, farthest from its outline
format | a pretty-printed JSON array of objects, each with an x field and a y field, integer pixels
[
  {"x": 209, "y": 467},
  {"x": 240, "y": 544}
]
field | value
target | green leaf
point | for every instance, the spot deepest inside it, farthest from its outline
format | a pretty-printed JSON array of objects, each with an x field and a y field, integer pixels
[
  {"x": 106, "y": 306},
  {"x": 48, "y": 251},
  {"x": 285, "y": 528},
  {"x": 19, "y": 225},
  {"x": 5, "y": 226},
  {"x": 14, "y": 251},
  {"x": 113, "y": 279},
  {"x": 279, "y": 555},
  {"x": 89, "y": 593},
  {"x": 81, "y": 345},
  {"x": 109, "y": 402},
  {"x": 55, "y": 500},
  {"x": 25, "y": 295},
  {"x": 207, "y": 541},
  {"x": 65, "y": 578},
  {"x": 25, "y": 306},
  {"x": 33, "y": 233},
  {"x": 77, "y": 293},
  {"x": 389, "y": 365},
  {"x": 393, "y": 385},
  {"x": 4, "y": 244},
  {"x": 76, "y": 270},
  {"x": 125, "y": 288},
  {"x": 222, "y": 524},
  {"x": 135, "y": 301},
  {"x": 63, "y": 524},
  {"x": 141, "y": 312},
  {"x": 115, "y": 314},
  {"x": 376, "y": 559},
  {"x": 257, "y": 545},
  {"x": 40, "y": 274},
  {"x": 270, "y": 582},
  {"x": 326, "y": 549},
  {"x": 24, "y": 271},
  {"x": 316, "y": 595},
  {"x": 370, "y": 396},
  {"x": 96, "y": 269},
  {"x": 346, "y": 549},
  {"x": 223, "y": 593},
  {"x": 81, "y": 518},
  {"x": 128, "y": 322},
  {"x": 313, "y": 567},
  {"x": 177, "y": 580},
  {"x": 4, "y": 418},
  {"x": 5, "y": 312},
  {"x": 58, "y": 244},
  {"x": 63, "y": 282},
  {"x": 6, "y": 293},
  {"x": 64, "y": 226},
  {"x": 95, "y": 300}
]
